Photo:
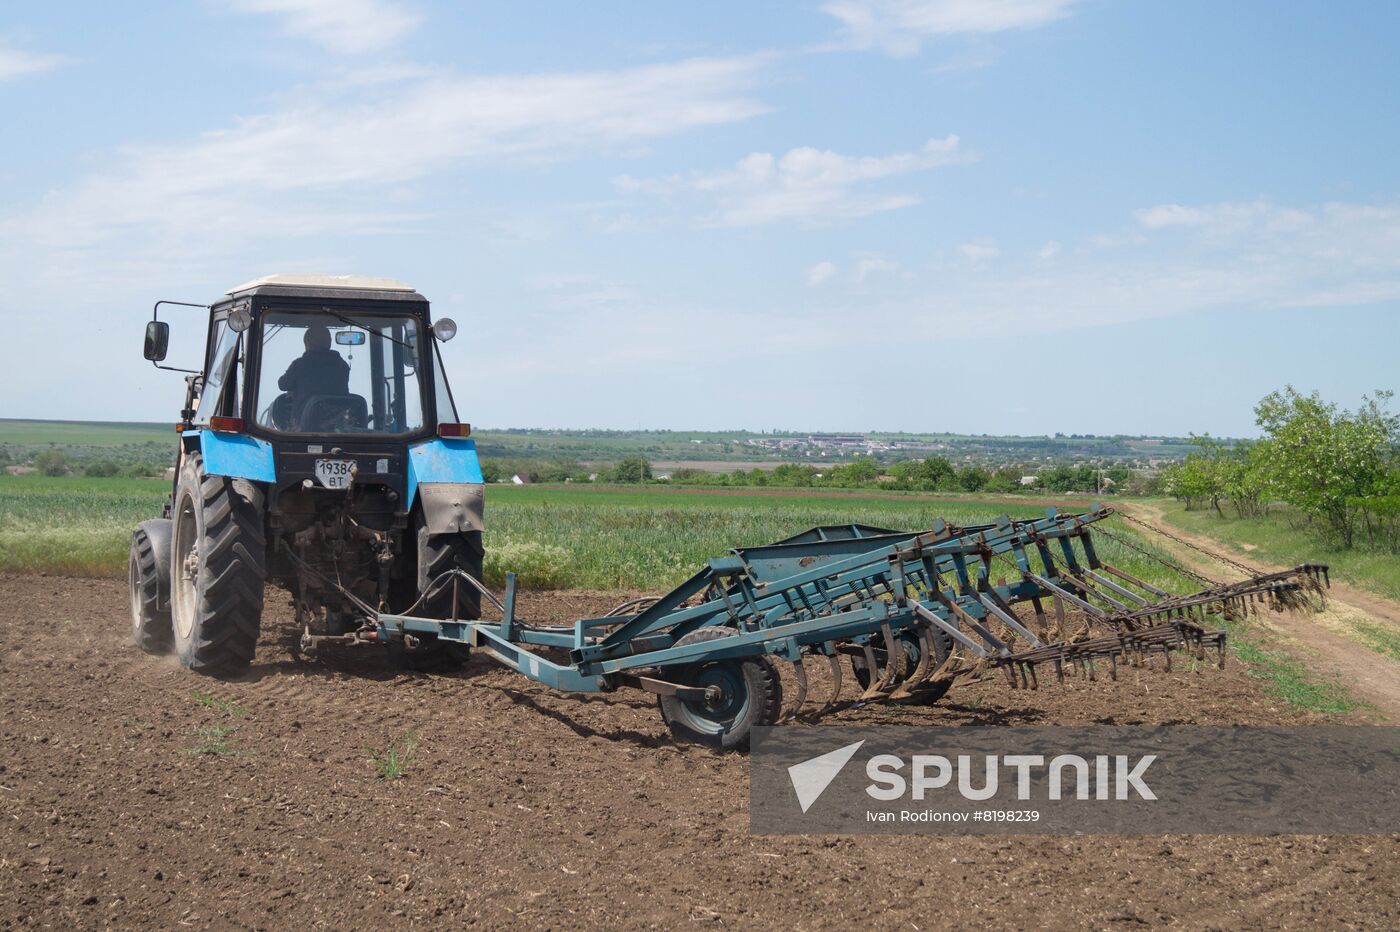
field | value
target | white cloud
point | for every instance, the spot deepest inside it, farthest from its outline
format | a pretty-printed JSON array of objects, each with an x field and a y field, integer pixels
[
  {"x": 980, "y": 250},
  {"x": 348, "y": 27},
  {"x": 15, "y": 63},
  {"x": 1228, "y": 219},
  {"x": 869, "y": 263},
  {"x": 327, "y": 161},
  {"x": 900, "y": 27},
  {"x": 1049, "y": 251},
  {"x": 1181, "y": 259},
  {"x": 804, "y": 185},
  {"x": 821, "y": 273}
]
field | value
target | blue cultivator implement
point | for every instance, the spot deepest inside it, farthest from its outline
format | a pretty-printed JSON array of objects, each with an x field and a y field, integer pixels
[{"x": 912, "y": 612}]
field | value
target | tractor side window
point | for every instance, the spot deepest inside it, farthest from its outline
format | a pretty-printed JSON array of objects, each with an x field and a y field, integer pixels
[
  {"x": 332, "y": 373},
  {"x": 220, "y": 394},
  {"x": 446, "y": 407}
]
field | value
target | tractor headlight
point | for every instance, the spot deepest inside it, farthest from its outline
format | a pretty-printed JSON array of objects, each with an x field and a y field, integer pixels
[
  {"x": 444, "y": 328},
  {"x": 239, "y": 319}
]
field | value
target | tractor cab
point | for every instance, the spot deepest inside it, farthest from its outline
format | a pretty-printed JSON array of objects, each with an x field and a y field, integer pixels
[{"x": 323, "y": 407}]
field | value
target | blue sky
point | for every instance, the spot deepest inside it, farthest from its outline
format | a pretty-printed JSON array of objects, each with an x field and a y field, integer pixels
[{"x": 999, "y": 216}]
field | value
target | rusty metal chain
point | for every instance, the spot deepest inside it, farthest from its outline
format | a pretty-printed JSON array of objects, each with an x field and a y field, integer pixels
[
  {"x": 1247, "y": 570},
  {"x": 1170, "y": 564}
]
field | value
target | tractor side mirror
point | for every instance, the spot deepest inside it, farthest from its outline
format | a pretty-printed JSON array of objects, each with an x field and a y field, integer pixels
[{"x": 157, "y": 340}]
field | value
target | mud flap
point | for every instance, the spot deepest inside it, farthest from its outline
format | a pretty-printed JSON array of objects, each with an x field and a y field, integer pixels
[{"x": 452, "y": 507}]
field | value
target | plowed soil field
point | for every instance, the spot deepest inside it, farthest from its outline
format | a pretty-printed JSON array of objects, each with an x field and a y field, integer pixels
[{"x": 521, "y": 807}]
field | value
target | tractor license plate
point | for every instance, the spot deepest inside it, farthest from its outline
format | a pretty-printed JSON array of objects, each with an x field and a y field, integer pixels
[{"x": 334, "y": 474}]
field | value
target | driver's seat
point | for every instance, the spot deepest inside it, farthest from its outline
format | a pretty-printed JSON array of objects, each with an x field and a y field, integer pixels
[{"x": 332, "y": 414}]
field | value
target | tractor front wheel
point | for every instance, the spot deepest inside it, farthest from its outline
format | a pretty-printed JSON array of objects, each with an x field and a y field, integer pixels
[
  {"x": 217, "y": 568},
  {"x": 747, "y": 693},
  {"x": 148, "y": 583}
]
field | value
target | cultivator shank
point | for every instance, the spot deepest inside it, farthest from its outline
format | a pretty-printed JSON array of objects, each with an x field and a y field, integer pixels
[{"x": 912, "y": 612}]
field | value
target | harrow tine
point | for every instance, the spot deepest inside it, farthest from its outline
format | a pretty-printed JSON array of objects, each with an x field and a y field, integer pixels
[
  {"x": 922, "y": 669},
  {"x": 834, "y": 659},
  {"x": 799, "y": 673},
  {"x": 894, "y": 661}
]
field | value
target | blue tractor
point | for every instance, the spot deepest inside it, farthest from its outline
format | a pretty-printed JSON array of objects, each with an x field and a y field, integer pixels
[{"x": 320, "y": 449}]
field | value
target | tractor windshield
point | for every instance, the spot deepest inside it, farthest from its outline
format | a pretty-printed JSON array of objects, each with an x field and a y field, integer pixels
[{"x": 329, "y": 373}]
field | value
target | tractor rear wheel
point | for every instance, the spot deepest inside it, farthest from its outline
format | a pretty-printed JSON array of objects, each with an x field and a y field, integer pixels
[
  {"x": 438, "y": 554},
  {"x": 749, "y": 694},
  {"x": 217, "y": 568},
  {"x": 148, "y": 581}
]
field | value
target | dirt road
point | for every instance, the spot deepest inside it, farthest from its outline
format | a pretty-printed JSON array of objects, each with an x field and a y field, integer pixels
[
  {"x": 1322, "y": 640},
  {"x": 525, "y": 808}
]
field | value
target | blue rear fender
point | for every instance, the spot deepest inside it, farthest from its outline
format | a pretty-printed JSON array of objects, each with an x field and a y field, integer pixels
[
  {"x": 444, "y": 460},
  {"x": 238, "y": 456}
]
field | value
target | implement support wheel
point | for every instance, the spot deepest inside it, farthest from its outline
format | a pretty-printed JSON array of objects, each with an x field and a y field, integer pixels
[{"x": 748, "y": 691}]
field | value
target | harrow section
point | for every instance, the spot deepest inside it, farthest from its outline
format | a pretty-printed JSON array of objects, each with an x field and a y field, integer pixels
[{"x": 912, "y": 612}]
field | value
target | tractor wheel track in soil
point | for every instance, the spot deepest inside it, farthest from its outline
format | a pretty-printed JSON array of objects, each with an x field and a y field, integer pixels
[{"x": 522, "y": 807}]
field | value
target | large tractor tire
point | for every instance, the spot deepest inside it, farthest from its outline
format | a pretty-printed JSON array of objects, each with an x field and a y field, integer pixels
[
  {"x": 148, "y": 580},
  {"x": 218, "y": 565},
  {"x": 437, "y": 554}
]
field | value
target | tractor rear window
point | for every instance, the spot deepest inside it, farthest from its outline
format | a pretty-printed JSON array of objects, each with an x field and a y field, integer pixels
[{"x": 340, "y": 374}]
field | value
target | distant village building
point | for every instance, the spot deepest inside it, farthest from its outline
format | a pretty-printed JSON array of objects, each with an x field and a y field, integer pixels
[
  {"x": 1029, "y": 480},
  {"x": 519, "y": 479},
  {"x": 20, "y": 470}
]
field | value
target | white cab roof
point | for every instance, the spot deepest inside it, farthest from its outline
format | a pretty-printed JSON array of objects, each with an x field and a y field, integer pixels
[{"x": 323, "y": 282}]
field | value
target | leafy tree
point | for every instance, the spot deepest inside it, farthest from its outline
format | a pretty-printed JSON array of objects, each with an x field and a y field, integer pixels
[
  {"x": 973, "y": 478},
  {"x": 1330, "y": 462},
  {"x": 1247, "y": 477},
  {"x": 939, "y": 474},
  {"x": 633, "y": 469},
  {"x": 854, "y": 475},
  {"x": 101, "y": 469}
]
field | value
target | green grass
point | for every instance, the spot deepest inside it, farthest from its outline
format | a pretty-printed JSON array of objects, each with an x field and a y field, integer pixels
[
  {"x": 73, "y": 526},
  {"x": 84, "y": 433},
  {"x": 564, "y": 536},
  {"x": 1280, "y": 537},
  {"x": 1384, "y": 639},
  {"x": 392, "y": 762},
  {"x": 1290, "y": 681},
  {"x": 210, "y": 701},
  {"x": 214, "y": 740}
]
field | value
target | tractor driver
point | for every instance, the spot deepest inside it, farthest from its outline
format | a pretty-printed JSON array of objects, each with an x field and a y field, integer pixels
[{"x": 318, "y": 371}]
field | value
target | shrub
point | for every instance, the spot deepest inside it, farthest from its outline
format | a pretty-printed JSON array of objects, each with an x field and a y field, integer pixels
[{"x": 51, "y": 462}]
